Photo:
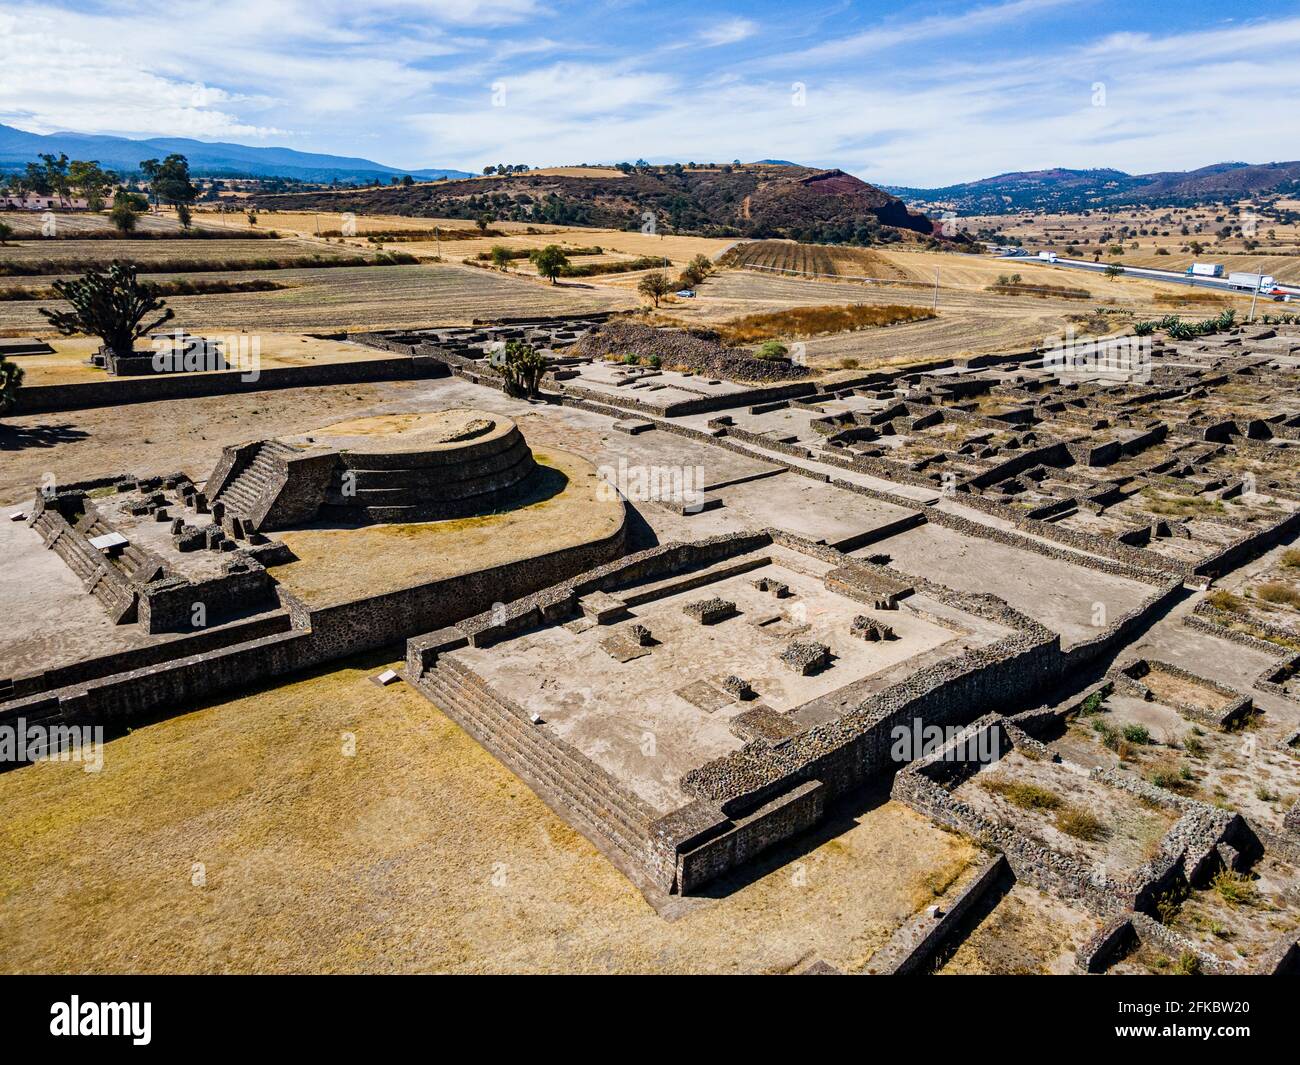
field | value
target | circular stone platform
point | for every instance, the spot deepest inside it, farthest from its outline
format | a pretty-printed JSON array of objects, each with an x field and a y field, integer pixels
[{"x": 419, "y": 467}]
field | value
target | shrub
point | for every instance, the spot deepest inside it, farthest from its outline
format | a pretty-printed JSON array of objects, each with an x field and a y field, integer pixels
[
  {"x": 1235, "y": 888},
  {"x": 1225, "y": 600},
  {"x": 11, "y": 379},
  {"x": 1291, "y": 558},
  {"x": 1135, "y": 733},
  {"x": 1080, "y": 824},
  {"x": 1170, "y": 777},
  {"x": 1026, "y": 796},
  {"x": 1278, "y": 592},
  {"x": 1091, "y": 705},
  {"x": 811, "y": 321},
  {"x": 1188, "y": 964},
  {"x": 773, "y": 349}
]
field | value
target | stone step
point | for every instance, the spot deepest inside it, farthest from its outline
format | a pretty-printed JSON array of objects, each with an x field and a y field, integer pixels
[
  {"x": 530, "y": 755},
  {"x": 629, "y": 808},
  {"x": 560, "y": 772},
  {"x": 524, "y": 761}
]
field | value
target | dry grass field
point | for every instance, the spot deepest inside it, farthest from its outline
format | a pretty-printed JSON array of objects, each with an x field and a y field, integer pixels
[
  {"x": 147, "y": 253},
  {"x": 241, "y": 838},
  {"x": 28, "y": 225},
  {"x": 359, "y": 298}
]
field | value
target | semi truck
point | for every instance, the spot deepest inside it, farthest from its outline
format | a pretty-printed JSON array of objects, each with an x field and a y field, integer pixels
[
  {"x": 1251, "y": 282},
  {"x": 1205, "y": 270}
]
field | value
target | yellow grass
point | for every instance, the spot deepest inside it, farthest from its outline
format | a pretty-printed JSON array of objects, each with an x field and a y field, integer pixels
[
  {"x": 814, "y": 321},
  {"x": 339, "y": 565},
  {"x": 241, "y": 838}
]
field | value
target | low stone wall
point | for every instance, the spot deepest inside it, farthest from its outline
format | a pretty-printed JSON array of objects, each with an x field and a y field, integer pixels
[
  {"x": 1128, "y": 680},
  {"x": 38, "y": 399},
  {"x": 912, "y": 947},
  {"x": 155, "y": 654},
  {"x": 165, "y": 688}
]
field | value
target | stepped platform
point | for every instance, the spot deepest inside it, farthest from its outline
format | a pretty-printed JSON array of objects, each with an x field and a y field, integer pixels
[{"x": 393, "y": 468}]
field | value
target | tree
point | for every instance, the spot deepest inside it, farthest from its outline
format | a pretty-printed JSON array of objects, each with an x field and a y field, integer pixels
[
  {"x": 483, "y": 221},
  {"x": 407, "y": 181},
  {"x": 697, "y": 271},
  {"x": 500, "y": 257},
  {"x": 56, "y": 175},
  {"x": 549, "y": 261},
  {"x": 110, "y": 304},
  {"x": 169, "y": 181},
  {"x": 6, "y": 231},
  {"x": 522, "y": 369},
  {"x": 126, "y": 210},
  {"x": 655, "y": 285},
  {"x": 1113, "y": 271},
  {"x": 11, "y": 379},
  {"x": 91, "y": 181}
]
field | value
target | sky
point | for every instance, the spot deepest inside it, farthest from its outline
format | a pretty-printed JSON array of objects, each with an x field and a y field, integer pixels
[{"x": 923, "y": 94}]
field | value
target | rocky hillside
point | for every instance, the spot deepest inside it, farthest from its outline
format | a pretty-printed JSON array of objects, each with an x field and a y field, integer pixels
[{"x": 825, "y": 206}]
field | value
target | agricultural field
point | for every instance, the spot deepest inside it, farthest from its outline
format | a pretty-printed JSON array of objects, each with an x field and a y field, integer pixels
[
  {"x": 814, "y": 259},
  {"x": 30, "y": 225},
  {"x": 359, "y": 298},
  {"x": 60, "y": 257}
]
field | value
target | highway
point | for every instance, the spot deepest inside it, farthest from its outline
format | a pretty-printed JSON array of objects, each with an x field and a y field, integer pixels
[{"x": 1219, "y": 284}]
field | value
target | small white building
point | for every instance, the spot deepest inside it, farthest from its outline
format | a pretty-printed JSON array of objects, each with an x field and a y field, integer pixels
[{"x": 33, "y": 202}]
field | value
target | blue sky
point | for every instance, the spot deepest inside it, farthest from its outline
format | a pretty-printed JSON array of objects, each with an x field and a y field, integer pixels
[{"x": 910, "y": 94}]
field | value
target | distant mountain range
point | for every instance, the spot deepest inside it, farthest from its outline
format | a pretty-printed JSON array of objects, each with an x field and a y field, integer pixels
[
  {"x": 1075, "y": 190},
  {"x": 207, "y": 159}
]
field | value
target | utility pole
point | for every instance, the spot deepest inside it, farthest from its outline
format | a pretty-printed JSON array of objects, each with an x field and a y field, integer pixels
[{"x": 1255, "y": 295}]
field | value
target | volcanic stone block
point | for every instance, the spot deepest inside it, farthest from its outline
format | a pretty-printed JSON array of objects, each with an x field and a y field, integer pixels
[
  {"x": 761, "y": 722},
  {"x": 806, "y": 656},
  {"x": 704, "y": 696},
  {"x": 602, "y": 607},
  {"x": 710, "y": 611},
  {"x": 776, "y": 588},
  {"x": 191, "y": 539},
  {"x": 870, "y": 629},
  {"x": 738, "y": 686}
]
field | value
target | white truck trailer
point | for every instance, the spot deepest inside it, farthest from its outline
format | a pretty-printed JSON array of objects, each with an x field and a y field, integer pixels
[
  {"x": 1251, "y": 282},
  {"x": 1206, "y": 270}
]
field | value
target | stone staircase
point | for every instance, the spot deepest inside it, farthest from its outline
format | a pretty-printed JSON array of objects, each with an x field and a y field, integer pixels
[
  {"x": 562, "y": 776},
  {"x": 251, "y": 492},
  {"x": 96, "y": 573}
]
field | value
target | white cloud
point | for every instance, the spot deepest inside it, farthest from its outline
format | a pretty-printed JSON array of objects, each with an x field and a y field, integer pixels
[
  {"x": 407, "y": 82},
  {"x": 730, "y": 31}
]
